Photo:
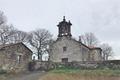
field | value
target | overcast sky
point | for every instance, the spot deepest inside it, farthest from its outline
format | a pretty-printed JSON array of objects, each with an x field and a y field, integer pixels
[{"x": 102, "y": 17}]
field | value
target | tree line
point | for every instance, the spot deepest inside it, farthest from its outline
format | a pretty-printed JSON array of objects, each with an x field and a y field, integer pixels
[{"x": 40, "y": 39}]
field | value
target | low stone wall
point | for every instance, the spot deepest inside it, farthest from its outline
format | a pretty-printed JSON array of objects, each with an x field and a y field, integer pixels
[
  {"x": 78, "y": 64},
  {"x": 113, "y": 64},
  {"x": 40, "y": 65},
  {"x": 45, "y": 65}
]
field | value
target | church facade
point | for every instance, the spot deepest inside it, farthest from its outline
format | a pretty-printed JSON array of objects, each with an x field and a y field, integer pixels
[{"x": 67, "y": 49}]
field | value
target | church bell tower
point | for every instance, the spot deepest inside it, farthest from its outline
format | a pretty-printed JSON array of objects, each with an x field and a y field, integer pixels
[{"x": 64, "y": 28}]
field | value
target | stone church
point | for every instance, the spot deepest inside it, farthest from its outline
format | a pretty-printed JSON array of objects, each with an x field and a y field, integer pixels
[{"x": 67, "y": 49}]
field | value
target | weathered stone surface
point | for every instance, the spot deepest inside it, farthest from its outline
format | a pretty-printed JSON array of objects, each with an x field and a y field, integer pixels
[
  {"x": 15, "y": 57},
  {"x": 75, "y": 51}
]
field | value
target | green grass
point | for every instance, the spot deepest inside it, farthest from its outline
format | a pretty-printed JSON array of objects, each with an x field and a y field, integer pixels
[
  {"x": 96, "y": 72},
  {"x": 64, "y": 73}
]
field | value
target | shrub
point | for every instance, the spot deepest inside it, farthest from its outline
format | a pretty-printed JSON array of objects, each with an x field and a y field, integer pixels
[{"x": 2, "y": 71}]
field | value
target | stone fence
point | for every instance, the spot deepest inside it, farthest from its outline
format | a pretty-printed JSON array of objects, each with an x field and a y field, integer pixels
[{"x": 45, "y": 65}]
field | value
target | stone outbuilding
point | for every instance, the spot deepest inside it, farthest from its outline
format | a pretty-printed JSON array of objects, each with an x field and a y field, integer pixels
[
  {"x": 67, "y": 49},
  {"x": 15, "y": 57}
]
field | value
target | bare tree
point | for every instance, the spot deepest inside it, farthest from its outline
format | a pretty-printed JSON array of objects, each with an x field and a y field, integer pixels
[
  {"x": 107, "y": 51},
  {"x": 40, "y": 40},
  {"x": 19, "y": 36},
  {"x": 5, "y": 33},
  {"x": 89, "y": 39},
  {"x": 2, "y": 18},
  {"x": 8, "y": 34}
]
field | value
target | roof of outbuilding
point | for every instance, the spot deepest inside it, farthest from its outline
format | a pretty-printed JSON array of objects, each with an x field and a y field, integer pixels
[{"x": 13, "y": 44}]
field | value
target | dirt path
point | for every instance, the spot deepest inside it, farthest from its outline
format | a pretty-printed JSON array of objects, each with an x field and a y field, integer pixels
[{"x": 29, "y": 76}]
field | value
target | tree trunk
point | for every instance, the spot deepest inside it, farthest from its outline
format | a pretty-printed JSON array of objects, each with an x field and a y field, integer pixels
[{"x": 39, "y": 56}]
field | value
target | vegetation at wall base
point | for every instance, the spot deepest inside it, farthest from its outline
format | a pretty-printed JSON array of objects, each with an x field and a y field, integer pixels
[
  {"x": 104, "y": 71},
  {"x": 69, "y": 73},
  {"x": 2, "y": 71}
]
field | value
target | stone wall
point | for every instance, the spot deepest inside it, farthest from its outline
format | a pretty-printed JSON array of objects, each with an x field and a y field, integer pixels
[
  {"x": 74, "y": 50},
  {"x": 95, "y": 55},
  {"x": 40, "y": 66},
  {"x": 9, "y": 58},
  {"x": 46, "y": 66}
]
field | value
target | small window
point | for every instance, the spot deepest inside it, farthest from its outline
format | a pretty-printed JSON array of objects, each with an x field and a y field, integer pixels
[
  {"x": 64, "y": 60},
  {"x": 19, "y": 58},
  {"x": 92, "y": 57},
  {"x": 64, "y": 49}
]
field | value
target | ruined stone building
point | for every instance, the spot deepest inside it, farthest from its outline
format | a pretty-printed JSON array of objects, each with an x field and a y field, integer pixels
[
  {"x": 67, "y": 49},
  {"x": 15, "y": 57}
]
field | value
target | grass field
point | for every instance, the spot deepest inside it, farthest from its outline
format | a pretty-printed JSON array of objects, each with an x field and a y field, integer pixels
[
  {"x": 77, "y": 74},
  {"x": 88, "y": 72}
]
